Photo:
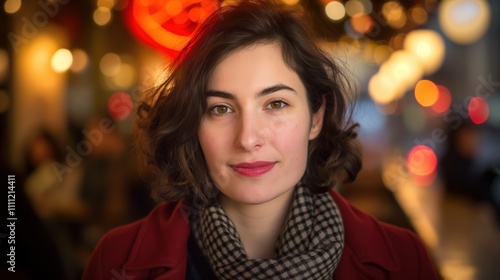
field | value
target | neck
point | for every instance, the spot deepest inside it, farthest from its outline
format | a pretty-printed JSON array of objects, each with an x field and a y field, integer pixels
[{"x": 259, "y": 225}]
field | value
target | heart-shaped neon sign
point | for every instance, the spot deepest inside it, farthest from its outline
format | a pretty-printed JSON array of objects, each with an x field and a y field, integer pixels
[{"x": 167, "y": 25}]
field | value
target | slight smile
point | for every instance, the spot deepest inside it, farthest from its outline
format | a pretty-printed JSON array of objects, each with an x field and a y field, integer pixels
[{"x": 253, "y": 169}]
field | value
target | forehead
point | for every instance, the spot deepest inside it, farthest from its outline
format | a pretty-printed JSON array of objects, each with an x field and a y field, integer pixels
[{"x": 253, "y": 67}]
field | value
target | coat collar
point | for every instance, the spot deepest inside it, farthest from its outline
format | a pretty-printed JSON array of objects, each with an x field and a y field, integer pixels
[
  {"x": 162, "y": 238},
  {"x": 365, "y": 237}
]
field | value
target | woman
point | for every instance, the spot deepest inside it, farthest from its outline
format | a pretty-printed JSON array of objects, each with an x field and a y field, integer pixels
[{"x": 249, "y": 135}]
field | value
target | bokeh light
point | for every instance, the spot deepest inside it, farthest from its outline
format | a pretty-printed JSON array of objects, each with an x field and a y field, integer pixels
[
  {"x": 478, "y": 110},
  {"x": 382, "y": 89},
  {"x": 290, "y": 2},
  {"x": 394, "y": 14},
  {"x": 426, "y": 93},
  {"x": 418, "y": 15},
  {"x": 421, "y": 160},
  {"x": 80, "y": 60},
  {"x": 335, "y": 10},
  {"x": 361, "y": 23},
  {"x": 354, "y": 7},
  {"x": 404, "y": 69},
  {"x": 61, "y": 60},
  {"x": 120, "y": 105},
  {"x": 444, "y": 100},
  {"x": 102, "y": 16},
  {"x": 12, "y": 6},
  {"x": 110, "y": 64},
  {"x": 428, "y": 47},
  {"x": 464, "y": 21}
]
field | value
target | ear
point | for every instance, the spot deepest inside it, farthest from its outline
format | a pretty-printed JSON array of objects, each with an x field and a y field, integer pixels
[{"x": 317, "y": 122}]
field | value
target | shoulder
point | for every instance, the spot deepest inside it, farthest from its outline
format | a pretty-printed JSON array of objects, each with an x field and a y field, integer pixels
[
  {"x": 379, "y": 250},
  {"x": 132, "y": 247}
]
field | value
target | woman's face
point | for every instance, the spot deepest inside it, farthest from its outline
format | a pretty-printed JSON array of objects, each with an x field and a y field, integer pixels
[{"x": 255, "y": 132}]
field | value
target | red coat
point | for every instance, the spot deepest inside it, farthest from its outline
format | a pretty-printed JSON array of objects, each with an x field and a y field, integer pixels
[{"x": 156, "y": 248}]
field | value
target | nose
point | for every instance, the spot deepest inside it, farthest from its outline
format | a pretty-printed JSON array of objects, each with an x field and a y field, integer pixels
[{"x": 250, "y": 133}]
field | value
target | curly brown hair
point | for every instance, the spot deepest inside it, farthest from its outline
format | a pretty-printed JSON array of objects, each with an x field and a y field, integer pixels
[{"x": 169, "y": 116}]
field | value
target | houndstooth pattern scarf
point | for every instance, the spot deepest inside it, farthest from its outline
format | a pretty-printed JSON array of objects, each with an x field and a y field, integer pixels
[{"x": 309, "y": 247}]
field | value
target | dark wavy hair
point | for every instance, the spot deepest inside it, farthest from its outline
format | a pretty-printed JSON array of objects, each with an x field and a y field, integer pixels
[{"x": 170, "y": 114}]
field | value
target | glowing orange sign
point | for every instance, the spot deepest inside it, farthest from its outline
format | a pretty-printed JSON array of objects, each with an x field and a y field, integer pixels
[{"x": 167, "y": 25}]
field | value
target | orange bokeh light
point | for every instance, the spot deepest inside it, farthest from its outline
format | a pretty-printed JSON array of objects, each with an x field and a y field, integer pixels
[
  {"x": 426, "y": 93},
  {"x": 444, "y": 100}
]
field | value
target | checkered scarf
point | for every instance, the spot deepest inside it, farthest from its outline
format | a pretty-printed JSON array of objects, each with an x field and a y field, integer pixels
[{"x": 309, "y": 247}]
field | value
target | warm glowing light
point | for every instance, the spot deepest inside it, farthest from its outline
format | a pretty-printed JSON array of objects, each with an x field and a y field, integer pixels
[
  {"x": 120, "y": 105},
  {"x": 361, "y": 23},
  {"x": 353, "y": 7},
  {"x": 168, "y": 24},
  {"x": 403, "y": 68},
  {"x": 394, "y": 14},
  {"x": 426, "y": 93},
  {"x": 102, "y": 16},
  {"x": 110, "y": 64},
  {"x": 80, "y": 60},
  {"x": 444, "y": 100},
  {"x": 382, "y": 89},
  {"x": 464, "y": 21},
  {"x": 61, "y": 60},
  {"x": 173, "y": 8},
  {"x": 12, "y": 6},
  {"x": 4, "y": 65},
  {"x": 478, "y": 110},
  {"x": 106, "y": 3},
  {"x": 335, "y": 10},
  {"x": 428, "y": 47},
  {"x": 418, "y": 15},
  {"x": 381, "y": 53},
  {"x": 421, "y": 161},
  {"x": 290, "y": 2},
  {"x": 125, "y": 77}
]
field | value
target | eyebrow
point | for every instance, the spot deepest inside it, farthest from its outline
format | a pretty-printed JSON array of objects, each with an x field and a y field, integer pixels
[{"x": 266, "y": 91}]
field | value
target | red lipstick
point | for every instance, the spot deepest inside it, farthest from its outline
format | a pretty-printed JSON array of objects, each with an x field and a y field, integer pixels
[{"x": 253, "y": 169}]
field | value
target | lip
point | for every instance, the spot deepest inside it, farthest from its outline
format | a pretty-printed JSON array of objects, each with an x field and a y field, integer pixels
[{"x": 253, "y": 169}]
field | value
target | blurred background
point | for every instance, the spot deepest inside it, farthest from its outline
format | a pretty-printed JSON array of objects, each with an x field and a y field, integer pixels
[{"x": 428, "y": 75}]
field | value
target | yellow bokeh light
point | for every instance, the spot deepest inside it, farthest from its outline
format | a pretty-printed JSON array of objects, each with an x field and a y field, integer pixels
[
  {"x": 428, "y": 47},
  {"x": 125, "y": 77},
  {"x": 418, "y": 15},
  {"x": 394, "y": 14},
  {"x": 381, "y": 53},
  {"x": 102, "y": 16},
  {"x": 290, "y": 2},
  {"x": 110, "y": 64},
  {"x": 106, "y": 3},
  {"x": 403, "y": 68},
  {"x": 353, "y": 7},
  {"x": 426, "y": 93},
  {"x": 12, "y": 6},
  {"x": 335, "y": 10},
  {"x": 61, "y": 60},
  {"x": 464, "y": 21},
  {"x": 80, "y": 60},
  {"x": 382, "y": 89}
]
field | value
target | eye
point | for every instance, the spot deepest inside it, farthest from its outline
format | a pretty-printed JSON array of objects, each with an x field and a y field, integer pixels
[
  {"x": 277, "y": 104},
  {"x": 220, "y": 110}
]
